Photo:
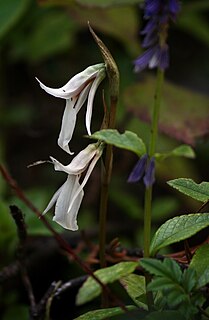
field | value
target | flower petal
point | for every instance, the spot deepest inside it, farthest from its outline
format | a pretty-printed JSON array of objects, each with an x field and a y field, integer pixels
[
  {"x": 149, "y": 177},
  {"x": 79, "y": 163},
  {"x": 82, "y": 97},
  {"x": 74, "y": 86},
  {"x": 68, "y": 126},
  {"x": 88, "y": 173},
  {"x": 67, "y": 219},
  {"x": 138, "y": 170},
  {"x": 143, "y": 60},
  {"x": 100, "y": 76},
  {"x": 53, "y": 200}
]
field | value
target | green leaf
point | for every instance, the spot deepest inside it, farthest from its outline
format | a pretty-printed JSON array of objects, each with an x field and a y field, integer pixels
[
  {"x": 166, "y": 268},
  {"x": 182, "y": 151},
  {"x": 107, "y": 3},
  {"x": 138, "y": 99},
  {"x": 127, "y": 140},
  {"x": 204, "y": 278},
  {"x": 160, "y": 284},
  {"x": 91, "y": 289},
  {"x": 194, "y": 190},
  {"x": 177, "y": 229},
  {"x": 104, "y": 313},
  {"x": 135, "y": 287},
  {"x": 189, "y": 279},
  {"x": 200, "y": 263},
  {"x": 10, "y": 12},
  {"x": 176, "y": 297}
]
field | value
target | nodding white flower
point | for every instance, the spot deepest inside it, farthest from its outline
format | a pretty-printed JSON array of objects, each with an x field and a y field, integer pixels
[
  {"x": 77, "y": 90},
  {"x": 69, "y": 196}
]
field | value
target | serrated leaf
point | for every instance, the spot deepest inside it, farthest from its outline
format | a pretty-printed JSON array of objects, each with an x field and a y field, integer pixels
[
  {"x": 200, "y": 260},
  {"x": 10, "y": 12},
  {"x": 194, "y": 190},
  {"x": 204, "y": 278},
  {"x": 182, "y": 151},
  {"x": 161, "y": 283},
  {"x": 200, "y": 263},
  {"x": 107, "y": 3},
  {"x": 189, "y": 280},
  {"x": 104, "y": 313},
  {"x": 166, "y": 268},
  {"x": 135, "y": 287},
  {"x": 176, "y": 297},
  {"x": 91, "y": 289},
  {"x": 127, "y": 140},
  {"x": 138, "y": 99},
  {"x": 177, "y": 229}
]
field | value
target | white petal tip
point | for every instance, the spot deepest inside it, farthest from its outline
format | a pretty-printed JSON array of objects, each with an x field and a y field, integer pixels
[
  {"x": 64, "y": 225},
  {"x": 64, "y": 147}
]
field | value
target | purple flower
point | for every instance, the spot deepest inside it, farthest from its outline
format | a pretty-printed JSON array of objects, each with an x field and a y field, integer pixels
[
  {"x": 138, "y": 170},
  {"x": 174, "y": 7},
  {"x": 158, "y": 13},
  {"x": 152, "y": 7},
  {"x": 144, "y": 167},
  {"x": 149, "y": 177},
  {"x": 153, "y": 57}
]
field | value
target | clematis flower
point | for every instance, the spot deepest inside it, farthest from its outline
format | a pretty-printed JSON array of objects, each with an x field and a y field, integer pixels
[
  {"x": 76, "y": 91},
  {"x": 69, "y": 196}
]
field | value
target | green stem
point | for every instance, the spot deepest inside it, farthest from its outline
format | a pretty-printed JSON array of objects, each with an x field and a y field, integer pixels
[
  {"x": 153, "y": 139},
  {"x": 147, "y": 220},
  {"x": 148, "y": 191},
  {"x": 156, "y": 112}
]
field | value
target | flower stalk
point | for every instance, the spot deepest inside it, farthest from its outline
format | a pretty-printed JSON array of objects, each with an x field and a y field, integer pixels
[
  {"x": 113, "y": 76},
  {"x": 152, "y": 146}
]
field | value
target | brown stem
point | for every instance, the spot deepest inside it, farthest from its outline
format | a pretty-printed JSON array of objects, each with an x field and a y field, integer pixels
[{"x": 13, "y": 184}]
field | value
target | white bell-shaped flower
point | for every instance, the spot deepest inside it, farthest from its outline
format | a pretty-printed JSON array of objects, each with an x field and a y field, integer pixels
[
  {"x": 76, "y": 91},
  {"x": 69, "y": 196}
]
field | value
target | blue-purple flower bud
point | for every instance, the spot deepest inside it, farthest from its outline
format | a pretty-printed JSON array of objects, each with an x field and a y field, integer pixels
[
  {"x": 139, "y": 170},
  {"x": 149, "y": 177}
]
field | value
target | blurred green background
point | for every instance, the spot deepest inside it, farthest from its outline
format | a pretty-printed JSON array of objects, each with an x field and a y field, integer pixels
[{"x": 49, "y": 39}]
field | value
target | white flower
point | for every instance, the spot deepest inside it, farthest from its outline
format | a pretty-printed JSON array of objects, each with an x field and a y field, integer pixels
[
  {"x": 76, "y": 91},
  {"x": 69, "y": 196}
]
